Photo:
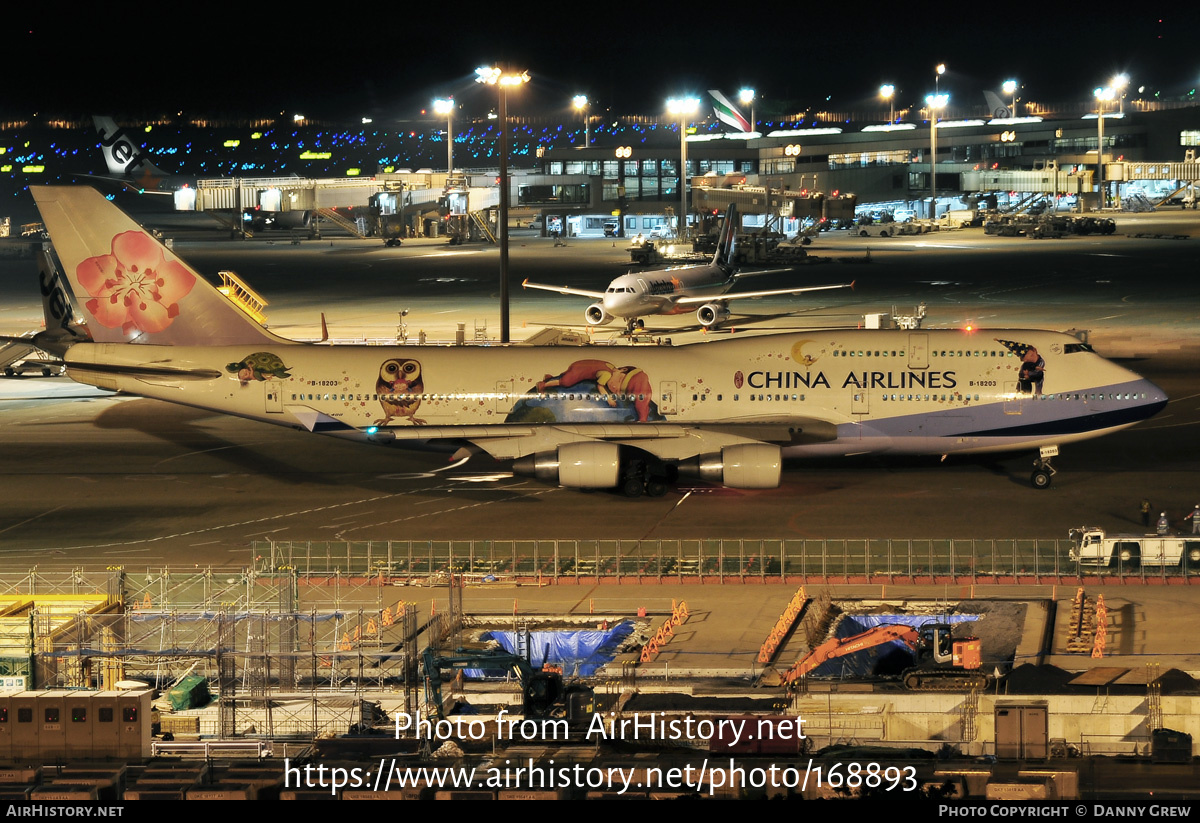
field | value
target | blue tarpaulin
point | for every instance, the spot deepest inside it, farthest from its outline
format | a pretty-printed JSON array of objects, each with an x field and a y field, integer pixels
[
  {"x": 885, "y": 659},
  {"x": 579, "y": 651}
]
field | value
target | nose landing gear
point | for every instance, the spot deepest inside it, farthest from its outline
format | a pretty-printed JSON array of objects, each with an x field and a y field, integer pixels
[{"x": 1042, "y": 470}]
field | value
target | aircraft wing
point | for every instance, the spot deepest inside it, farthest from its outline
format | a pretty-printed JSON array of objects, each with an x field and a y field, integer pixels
[
  {"x": 664, "y": 440},
  {"x": 689, "y": 301},
  {"x": 757, "y": 272},
  {"x": 595, "y": 295},
  {"x": 668, "y": 442}
]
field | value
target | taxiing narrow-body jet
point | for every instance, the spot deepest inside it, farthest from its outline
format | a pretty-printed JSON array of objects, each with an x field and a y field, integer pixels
[
  {"x": 632, "y": 418},
  {"x": 677, "y": 289}
]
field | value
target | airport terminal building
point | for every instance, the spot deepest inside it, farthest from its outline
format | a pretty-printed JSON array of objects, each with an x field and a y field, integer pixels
[
  {"x": 1147, "y": 153},
  {"x": 631, "y": 166}
]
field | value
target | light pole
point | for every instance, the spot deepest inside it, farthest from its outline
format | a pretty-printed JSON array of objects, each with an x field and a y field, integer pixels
[
  {"x": 938, "y": 71},
  {"x": 502, "y": 80},
  {"x": 1010, "y": 88},
  {"x": 888, "y": 92},
  {"x": 746, "y": 96},
  {"x": 1102, "y": 95},
  {"x": 580, "y": 102},
  {"x": 683, "y": 108},
  {"x": 446, "y": 107},
  {"x": 936, "y": 103}
]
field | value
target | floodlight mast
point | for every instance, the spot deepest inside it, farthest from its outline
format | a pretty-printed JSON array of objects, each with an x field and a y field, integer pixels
[
  {"x": 503, "y": 81},
  {"x": 683, "y": 108}
]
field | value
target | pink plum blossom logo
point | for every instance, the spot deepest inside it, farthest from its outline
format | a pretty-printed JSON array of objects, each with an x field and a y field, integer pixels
[{"x": 135, "y": 287}]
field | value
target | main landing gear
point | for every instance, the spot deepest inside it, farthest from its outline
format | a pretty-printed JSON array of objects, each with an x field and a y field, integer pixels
[
  {"x": 640, "y": 478},
  {"x": 1042, "y": 470}
]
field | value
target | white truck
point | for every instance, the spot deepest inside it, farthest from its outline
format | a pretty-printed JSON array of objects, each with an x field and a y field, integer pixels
[{"x": 1094, "y": 548}]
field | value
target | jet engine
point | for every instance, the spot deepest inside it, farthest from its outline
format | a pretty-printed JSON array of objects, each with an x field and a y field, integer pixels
[
  {"x": 711, "y": 314},
  {"x": 597, "y": 316},
  {"x": 586, "y": 465},
  {"x": 741, "y": 466}
]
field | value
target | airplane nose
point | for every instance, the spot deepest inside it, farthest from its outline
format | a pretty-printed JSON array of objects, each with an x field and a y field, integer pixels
[
  {"x": 1151, "y": 398},
  {"x": 616, "y": 303}
]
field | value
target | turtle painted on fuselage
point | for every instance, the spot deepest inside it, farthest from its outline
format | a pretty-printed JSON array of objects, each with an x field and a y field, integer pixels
[{"x": 262, "y": 365}]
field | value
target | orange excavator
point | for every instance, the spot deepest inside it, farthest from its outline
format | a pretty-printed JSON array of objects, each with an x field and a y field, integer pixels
[{"x": 941, "y": 661}]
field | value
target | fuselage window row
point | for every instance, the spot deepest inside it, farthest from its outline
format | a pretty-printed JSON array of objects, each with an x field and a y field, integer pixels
[{"x": 696, "y": 397}]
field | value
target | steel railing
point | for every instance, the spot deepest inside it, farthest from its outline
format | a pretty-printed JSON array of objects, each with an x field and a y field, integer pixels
[{"x": 757, "y": 560}]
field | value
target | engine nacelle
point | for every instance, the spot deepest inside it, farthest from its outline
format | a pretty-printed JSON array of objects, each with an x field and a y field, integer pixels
[
  {"x": 711, "y": 314},
  {"x": 586, "y": 465},
  {"x": 741, "y": 466},
  {"x": 597, "y": 316}
]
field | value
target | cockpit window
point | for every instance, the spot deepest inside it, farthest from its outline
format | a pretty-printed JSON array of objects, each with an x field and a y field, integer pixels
[{"x": 1071, "y": 348}]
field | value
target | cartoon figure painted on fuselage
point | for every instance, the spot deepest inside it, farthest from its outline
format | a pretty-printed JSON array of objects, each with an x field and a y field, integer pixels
[
  {"x": 260, "y": 366},
  {"x": 399, "y": 386},
  {"x": 1033, "y": 366},
  {"x": 612, "y": 382},
  {"x": 1033, "y": 370},
  {"x": 606, "y": 393}
]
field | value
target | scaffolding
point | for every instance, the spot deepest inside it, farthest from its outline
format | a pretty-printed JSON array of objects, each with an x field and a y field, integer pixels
[{"x": 276, "y": 670}]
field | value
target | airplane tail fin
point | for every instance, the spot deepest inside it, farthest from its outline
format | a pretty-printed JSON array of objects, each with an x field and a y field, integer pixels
[
  {"x": 131, "y": 288},
  {"x": 996, "y": 106},
  {"x": 725, "y": 257},
  {"x": 124, "y": 157},
  {"x": 64, "y": 326}
]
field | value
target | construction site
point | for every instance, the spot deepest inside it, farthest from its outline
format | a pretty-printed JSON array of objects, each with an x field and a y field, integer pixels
[{"x": 331, "y": 666}]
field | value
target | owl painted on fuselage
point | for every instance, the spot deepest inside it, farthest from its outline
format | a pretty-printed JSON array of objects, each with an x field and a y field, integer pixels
[{"x": 400, "y": 387}]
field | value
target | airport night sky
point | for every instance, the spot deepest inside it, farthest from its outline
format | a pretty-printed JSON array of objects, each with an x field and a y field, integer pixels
[{"x": 263, "y": 61}]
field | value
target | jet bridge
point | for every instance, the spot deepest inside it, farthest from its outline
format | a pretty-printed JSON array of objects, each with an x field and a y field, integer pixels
[
  {"x": 1049, "y": 180},
  {"x": 1186, "y": 174},
  {"x": 803, "y": 205}
]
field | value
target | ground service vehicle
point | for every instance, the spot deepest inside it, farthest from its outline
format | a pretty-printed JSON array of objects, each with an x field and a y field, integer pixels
[
  {"x": 1094, "y": 547},
  {"x": 940, "y": 661}
]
